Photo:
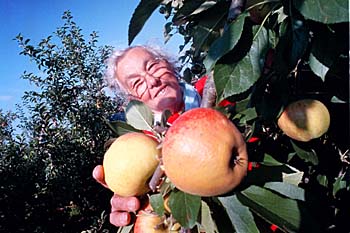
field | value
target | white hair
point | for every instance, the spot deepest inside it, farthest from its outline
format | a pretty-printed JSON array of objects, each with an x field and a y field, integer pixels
[{"x": 111, "y": 76}]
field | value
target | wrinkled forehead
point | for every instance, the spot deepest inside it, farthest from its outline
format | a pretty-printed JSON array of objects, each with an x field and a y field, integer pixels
[
  {"x": 133, "y": 61},
  {"x": 138, "y": 54}
]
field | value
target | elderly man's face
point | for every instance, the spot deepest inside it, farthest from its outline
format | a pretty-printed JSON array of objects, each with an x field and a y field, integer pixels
[{"x": 149, "y": 80}]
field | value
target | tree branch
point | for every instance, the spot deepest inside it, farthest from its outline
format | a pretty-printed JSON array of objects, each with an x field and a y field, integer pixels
[
  {"x": 235, "y": 10},
  {"x": 209, "y": 92}
]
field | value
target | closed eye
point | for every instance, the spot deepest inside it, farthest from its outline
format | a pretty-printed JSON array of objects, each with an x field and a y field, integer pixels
[
  {"x": 136, "y": 82},
  {"x": 152, "y": 64}
]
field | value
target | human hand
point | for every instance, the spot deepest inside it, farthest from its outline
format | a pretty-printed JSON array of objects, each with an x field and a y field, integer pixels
[{"x": 121, "y": 207}]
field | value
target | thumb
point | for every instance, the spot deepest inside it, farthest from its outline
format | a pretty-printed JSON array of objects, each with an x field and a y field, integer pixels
[{"x": 99, "y": 176}]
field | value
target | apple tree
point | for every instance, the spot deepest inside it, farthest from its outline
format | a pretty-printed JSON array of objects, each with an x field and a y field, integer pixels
[
  {"x": 262, "y": 56},
  {"x": 46, "y": 163}
]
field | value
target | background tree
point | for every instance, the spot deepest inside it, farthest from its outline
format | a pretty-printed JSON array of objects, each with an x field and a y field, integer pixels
[
  {"x": 46, "y": 181},
  {"x": 265, "y": 55}
]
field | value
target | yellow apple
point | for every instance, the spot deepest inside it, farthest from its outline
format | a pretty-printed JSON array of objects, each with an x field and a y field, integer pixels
[
  {"x": 129, "y": 163},
  {"x": 304, "y": 120}
]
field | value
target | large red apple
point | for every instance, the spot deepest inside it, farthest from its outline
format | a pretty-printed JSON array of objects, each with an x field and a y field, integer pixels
[{"x": 204, "y": 153}]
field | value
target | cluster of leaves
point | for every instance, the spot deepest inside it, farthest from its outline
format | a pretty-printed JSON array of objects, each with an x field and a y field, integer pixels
[
  {"x": 264, "y": 55},
  {"x": 46, "y": 164}
]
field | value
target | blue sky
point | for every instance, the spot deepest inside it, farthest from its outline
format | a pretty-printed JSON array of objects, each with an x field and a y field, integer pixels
[{"x": 37, "y": 19}]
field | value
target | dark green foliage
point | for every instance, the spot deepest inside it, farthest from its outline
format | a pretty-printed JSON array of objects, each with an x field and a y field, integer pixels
[
  {"x": 300, "y": 49},
  {"x": 46, "y": 165}
]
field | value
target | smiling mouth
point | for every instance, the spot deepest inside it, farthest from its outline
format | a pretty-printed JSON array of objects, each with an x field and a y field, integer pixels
[{"x": 161, "y": 91}]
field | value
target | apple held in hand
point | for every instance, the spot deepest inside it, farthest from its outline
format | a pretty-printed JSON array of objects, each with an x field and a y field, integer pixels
[
  {"x": 129, "y": 163},
  {"x": 204, "y": 153},
  {"x": 304, "y": 120}
]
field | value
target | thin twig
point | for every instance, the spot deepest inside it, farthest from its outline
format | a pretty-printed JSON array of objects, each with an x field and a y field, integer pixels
[
  {"x": 209, "y": 92},
  {"x": 156, "y": 178}
]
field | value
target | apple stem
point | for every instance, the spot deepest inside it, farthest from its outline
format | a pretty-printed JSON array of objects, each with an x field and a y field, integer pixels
[{"x": 156, "y": 178}]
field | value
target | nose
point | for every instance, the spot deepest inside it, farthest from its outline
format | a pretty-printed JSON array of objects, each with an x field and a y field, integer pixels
[{"x": 151, "y": 80}]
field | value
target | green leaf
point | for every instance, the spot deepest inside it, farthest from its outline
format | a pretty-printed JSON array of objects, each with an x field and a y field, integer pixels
[
  {"x": 207, "y": 222},
  {"x": 267, "y": 174},
  {"x": 157, "y": 203},
  {"x": 288, "y": 214},
  {"x": 317, "y": 67},
  {"x": 288, "y": 190},
  {"x": 240, "y": 215},
  {"x": 337, "y": 100},
  {"x": 291, "y": 47},
  {"x": 191, "y": 8},
  {"x": 322, "y": 180},
  {"x": 270, "y": 161},
  {"x": 242, "y": 105},
  {"x": 339, "y": 184},
  {"x": 184, "y": 207},
  {"x": 328, "y": 43},
  {"x": 233, "y": 79},
  {"x": 120, "y": 127},
  {"x": 206, "y": 31},
  {"x": 246, "y": 115},
  {"x": 225, "y": 43},
  {"x": 308, "y": 156},
  {"x": 294, "y": 177},
  {"x": 324, "y": 11},
  {"x": 141, "y": 14},
  {"x": 139, "y": 115}
]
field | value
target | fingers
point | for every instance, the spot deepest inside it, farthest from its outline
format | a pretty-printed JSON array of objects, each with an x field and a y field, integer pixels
[
  {"x": 121, "y": 206},
  {"x": 119, "y": 219},
  {"x": 99, "y": 176},
  {"x": 128, "y": 204}
]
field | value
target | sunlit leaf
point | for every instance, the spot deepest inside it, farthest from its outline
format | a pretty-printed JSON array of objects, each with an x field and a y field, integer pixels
[
  {"x": 337, "y": 100},
  {"x": 324, "y": 11},
  {"x": 270, "y": 161},
  {"x": 139, "y": 115},
  {"x": 317, "y": 67},
  {"x": 141, "y": 14},
  {"x": 293, "y": 178},
  {"x": 185, "y": 207},
  {"x": 236, "y": 78},
  {"x": 207, "y": 222},
  {"x": 288, "y": 190},
  {"x": 240, "y": 215},
  {"x": 288, "y": 214}
]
